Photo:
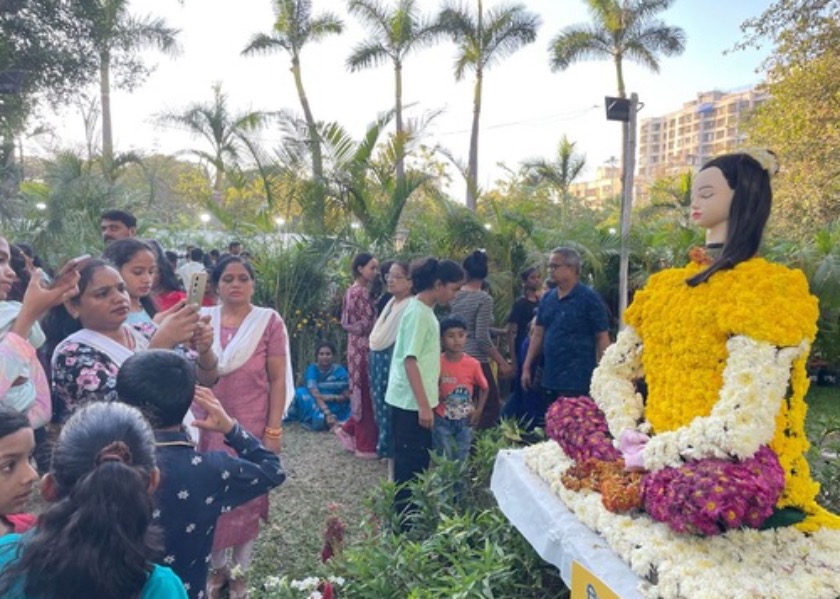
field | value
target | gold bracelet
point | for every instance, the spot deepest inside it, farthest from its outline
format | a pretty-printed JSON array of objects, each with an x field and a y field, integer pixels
[{"x": 273, "y": 433}]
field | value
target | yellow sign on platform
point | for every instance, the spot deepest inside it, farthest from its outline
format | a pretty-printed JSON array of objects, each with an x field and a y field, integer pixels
[{"x": 585, "y": 585}]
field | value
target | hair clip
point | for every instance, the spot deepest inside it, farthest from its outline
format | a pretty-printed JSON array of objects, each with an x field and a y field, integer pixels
[{"x": 766, "y": 158}]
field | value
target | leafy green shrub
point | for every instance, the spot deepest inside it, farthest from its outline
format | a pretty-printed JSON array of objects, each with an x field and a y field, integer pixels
[
  {"x": 295, "y": 280},
  {"x": 460, "y": 544}
]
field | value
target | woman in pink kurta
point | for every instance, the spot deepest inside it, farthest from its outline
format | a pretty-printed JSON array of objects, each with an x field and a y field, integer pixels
[
  {"x": 253, "y": 387},
  {"x": 358, "y": 313}
]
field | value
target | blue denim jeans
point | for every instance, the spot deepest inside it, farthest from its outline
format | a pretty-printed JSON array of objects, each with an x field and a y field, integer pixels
[{"x": 452, "y": 438}]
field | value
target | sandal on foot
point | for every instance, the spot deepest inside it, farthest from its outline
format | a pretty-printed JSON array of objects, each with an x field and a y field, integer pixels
[
  {"x": 217, "y": 578},
  {"x": 238, "y": 588}
]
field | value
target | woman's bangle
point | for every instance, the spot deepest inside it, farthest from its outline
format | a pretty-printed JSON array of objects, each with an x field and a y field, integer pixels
[
  {"x": 209, "y": 368},
  {"x": 273, "y": 433}
]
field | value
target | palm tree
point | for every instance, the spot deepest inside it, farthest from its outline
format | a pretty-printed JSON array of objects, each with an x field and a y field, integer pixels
[
  {"x": 620, "y": 29},
  {"x": 483, "y": 39},
  {"x": 362, "y": 180},
  {"x": 118, "y": 37},
  {"x": 293, "y": 28},
  {"x": 225, "y": 133},
  {"x": 394, "y": 34},
  {"x": 671, "y": 195},
  {"x": 560, "y": 173}
]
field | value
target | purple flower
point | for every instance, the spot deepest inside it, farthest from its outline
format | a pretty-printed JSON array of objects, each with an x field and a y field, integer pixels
[
  {"x": 581, "y": 429},
  {"x": 713, "y": 495}
]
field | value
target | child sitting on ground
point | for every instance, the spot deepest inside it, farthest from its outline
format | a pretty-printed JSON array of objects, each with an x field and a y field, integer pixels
[
  {"x": 460, "y": 376},
  {"x": 195, "y": 486}
]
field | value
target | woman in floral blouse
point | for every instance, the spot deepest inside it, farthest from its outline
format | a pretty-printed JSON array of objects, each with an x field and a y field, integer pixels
[{"x": 97, "y": 340}]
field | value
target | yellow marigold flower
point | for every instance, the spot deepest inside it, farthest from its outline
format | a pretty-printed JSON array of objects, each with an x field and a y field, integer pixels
[{"x": 685, "y": 332}]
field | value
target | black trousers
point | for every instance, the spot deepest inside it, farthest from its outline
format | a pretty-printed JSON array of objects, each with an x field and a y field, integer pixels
[{"x": 412, "y": 444}]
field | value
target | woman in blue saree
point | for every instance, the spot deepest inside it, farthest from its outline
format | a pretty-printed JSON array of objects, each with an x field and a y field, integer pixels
[{"x": 324, "y": 400}]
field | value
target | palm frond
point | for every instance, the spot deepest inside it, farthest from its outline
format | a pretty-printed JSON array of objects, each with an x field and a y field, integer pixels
[
  {"x": 323, "y": 25},
  {"x": 578, "y": 43},
  {"x": 367, "y": 54},
  {"x": 261, "y": 43}
]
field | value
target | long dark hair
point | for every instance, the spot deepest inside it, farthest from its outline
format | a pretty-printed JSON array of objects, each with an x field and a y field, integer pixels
[
  {"x": 222, "y": 264},
  {"x": 748, "y": 213},
  {"x": 425, "y": 272},
  {"x": 17, "y": 260},
  {"x": 96, "y": 538},
  {"x": 167, "y": 280},
  {"x": 121, "y": 251},
  {"x": 59, "y": 323},
  {"x": 11, "y": 421},
  {"x": 475, "y": 265},
  {"x": 359, "y": 261}
]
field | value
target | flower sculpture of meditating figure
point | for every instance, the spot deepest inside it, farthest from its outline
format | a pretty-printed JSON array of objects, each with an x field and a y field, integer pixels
[{"x": 722, "y": 344}]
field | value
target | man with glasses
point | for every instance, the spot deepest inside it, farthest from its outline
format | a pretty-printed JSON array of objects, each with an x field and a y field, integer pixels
[{"x": 571, "y": 332}]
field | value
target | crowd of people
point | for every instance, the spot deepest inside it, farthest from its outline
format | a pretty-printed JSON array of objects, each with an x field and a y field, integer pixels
[
  {"x": 152, "y": 410},
  {"x": 194, "y": 458}
]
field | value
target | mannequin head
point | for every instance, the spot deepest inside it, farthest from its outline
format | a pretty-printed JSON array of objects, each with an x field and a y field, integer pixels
[{"x": 731, "y": 199}]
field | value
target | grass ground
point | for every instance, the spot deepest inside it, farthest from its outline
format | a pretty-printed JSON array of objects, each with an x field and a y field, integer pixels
[
  {"x": 319, "y": 473},
  {"x": 824, "y": 401}
]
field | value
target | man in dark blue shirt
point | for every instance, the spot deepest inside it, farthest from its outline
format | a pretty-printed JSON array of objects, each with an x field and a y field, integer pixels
[
  {"x": 571, "y": 332},
  {"x": 195, "y": 487}
]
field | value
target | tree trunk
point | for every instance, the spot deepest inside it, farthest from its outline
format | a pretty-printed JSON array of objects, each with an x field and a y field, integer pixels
[
  {"x": 472, "y": 169},
  {"x": 315, "y": 147},
  {"x": 105, "y": 105},
  {"x": 400, "y": 131}
]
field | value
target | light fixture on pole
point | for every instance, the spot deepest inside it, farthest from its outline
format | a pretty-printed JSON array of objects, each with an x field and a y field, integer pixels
[{"x": 625, "y": 110}]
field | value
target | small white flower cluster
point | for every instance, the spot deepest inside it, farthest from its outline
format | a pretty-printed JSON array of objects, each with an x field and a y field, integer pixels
[
  {"x": 754, "y": 382},
  {"x": 744, "y": 563},
  {"x": 744, "y": 418},
  {"x": 273, "y": 583},
  {"x": 612, "y": 384},
  {"x": 307, "y": 584}
]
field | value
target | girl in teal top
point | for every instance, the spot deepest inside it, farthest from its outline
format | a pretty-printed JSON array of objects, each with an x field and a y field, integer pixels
[{"x": 94, "y": 539}]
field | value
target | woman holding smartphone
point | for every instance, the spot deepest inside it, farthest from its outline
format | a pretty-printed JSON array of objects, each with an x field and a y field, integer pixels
[
  {"x": 93, "y": 338},
  {"x": 23, "y": 384}
]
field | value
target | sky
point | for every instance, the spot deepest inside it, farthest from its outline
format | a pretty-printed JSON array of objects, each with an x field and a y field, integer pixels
[{"x": 526, "y": 107}]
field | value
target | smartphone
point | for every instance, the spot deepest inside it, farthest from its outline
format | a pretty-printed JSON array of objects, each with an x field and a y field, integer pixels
[{"x": 196, "y": 287}]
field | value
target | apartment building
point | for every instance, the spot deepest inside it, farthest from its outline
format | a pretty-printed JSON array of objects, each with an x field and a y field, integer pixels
[
  {"x": 605, "y": 187},
  {"x": 700, "y": 130}
]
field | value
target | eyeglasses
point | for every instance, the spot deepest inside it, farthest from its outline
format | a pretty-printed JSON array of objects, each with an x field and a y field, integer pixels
[
  {"x": 395, "y": 278},
  {"x": 553, "y": 266}
]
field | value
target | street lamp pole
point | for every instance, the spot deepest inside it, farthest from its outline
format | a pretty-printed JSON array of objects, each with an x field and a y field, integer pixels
[{"x": 624, "y": 110}]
